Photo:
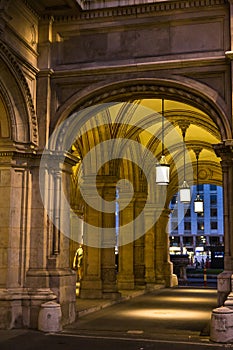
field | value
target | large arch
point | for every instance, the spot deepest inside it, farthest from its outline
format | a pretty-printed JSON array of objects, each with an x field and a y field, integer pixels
[
  {"x": 186, "y": 91},
  {"x": 181, "y": 89}
]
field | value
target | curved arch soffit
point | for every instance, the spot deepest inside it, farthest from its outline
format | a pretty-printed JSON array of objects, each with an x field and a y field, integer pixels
[
  {"x": 22, "y": 86},
  {"x": 187, "y": 91}
]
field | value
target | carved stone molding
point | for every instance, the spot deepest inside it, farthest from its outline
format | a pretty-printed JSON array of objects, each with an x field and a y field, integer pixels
[
  {"x": 12, "y": 63},
  {"x": 150, "y": 89},
  {"x": 98, "y": 9}
]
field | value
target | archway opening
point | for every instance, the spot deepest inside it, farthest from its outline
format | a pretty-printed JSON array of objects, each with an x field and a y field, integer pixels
[{"x": 125, "y": 121}]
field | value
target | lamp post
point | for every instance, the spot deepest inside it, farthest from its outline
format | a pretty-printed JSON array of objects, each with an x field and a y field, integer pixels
[{"x": 162, "y": 168}]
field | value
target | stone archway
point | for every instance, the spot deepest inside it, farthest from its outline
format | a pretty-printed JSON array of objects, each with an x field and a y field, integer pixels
[
  {"x": 179, "y": 95},
  {"x": 18, "y": 141}
]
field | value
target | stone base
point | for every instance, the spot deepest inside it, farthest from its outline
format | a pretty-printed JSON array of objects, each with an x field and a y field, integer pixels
[
  {"x": 125, "y": 282},
  {"x": 112, "y": 295},
  {"x": 91, "y": 289},
  {"x": 19, "y": 308},
  {"x": 62, "y": 282}
]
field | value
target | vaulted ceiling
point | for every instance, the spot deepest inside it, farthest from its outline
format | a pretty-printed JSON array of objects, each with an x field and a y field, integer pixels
[{"x": 141, "y": 122}]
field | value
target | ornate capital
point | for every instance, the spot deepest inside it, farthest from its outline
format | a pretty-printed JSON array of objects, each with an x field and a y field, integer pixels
[{"x": 224, "y": 150}]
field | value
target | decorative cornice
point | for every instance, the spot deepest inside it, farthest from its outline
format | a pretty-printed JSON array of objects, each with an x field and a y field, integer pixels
[
  {"x": 8, "y": 56},
  {"x": 91, "y": 11},
  {"x": 15, "y": 154}
]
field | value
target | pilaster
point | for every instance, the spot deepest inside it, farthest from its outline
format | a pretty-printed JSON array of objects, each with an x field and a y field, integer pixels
[
  {"x": 225, "y": 151},
  {"x": 108, "y": 267},
  {"x": 139, "y": 243},
  {"x": 150, "y": 247},
  {"x": 49, "y": 242},
  {"x": 91, "y": 284}
]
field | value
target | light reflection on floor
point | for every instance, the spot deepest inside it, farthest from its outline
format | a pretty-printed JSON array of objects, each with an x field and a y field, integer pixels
[{"x": 172, "y": 314}]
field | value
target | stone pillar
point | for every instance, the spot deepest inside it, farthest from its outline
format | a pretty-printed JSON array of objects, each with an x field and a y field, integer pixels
[
  {"x": 125, "y": 277},
  {"x": 108, "y": 268},
  {"x": 15, "y": 212},
  {"x": 139, "y": 243},
  {"x": 49, "y": 270},
  {"x": 224, "y": 150},
  {"x": 163, "y": 266},
  {"x": 149, "y": 253},
  {"x": 91, "y": 284}
]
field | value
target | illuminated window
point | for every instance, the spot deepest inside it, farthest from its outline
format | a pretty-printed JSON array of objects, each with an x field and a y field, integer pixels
[
  {"x": 174, "y": 241},
  {"x": 200, "y": 226}
]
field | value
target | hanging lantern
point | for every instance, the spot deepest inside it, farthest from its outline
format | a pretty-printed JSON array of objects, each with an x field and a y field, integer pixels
[
  {"x": 198, "y": 205},
  {"x": 162, "y": 172},
  {"x": 162, "y": 168},
  {"x": 198, "y": 202},
  {"x": 185, "y": 193}
]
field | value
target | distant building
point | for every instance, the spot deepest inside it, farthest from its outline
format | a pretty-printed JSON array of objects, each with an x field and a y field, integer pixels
[{"x": 197, "y": 234}]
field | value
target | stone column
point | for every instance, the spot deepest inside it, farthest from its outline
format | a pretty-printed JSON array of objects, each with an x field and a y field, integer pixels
[
  {"x": 49, "y": 271},
  {"x": 108, "y": 268},
  {"x": 139, "y": 261},
  {"x": 91, "y": 284},
  {"x": 149, "y": 253},
  {"x": 224, "y": 150},
  {"x": 125, "y": 278},
  {"x": 139, "y": 243},
  {"x": 163, "y": 266},
  {"x": 15, "y": 213}
]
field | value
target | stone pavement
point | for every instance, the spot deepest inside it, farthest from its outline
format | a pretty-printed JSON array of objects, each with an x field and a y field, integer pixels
[
  {"x": 86, "y": 306},
  {"x": 163, "y": 319}
]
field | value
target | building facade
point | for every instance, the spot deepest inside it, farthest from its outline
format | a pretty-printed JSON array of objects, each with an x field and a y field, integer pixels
[
  {"x": 87, "y": 91},
  {"x": 193, "y": 233}
]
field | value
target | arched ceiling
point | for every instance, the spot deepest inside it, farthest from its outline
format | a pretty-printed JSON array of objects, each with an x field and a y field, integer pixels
[{"x": 141, "y": 121}]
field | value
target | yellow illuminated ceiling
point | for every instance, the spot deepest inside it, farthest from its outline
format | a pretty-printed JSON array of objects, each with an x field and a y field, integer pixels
[{"x": 141, "y": 121}]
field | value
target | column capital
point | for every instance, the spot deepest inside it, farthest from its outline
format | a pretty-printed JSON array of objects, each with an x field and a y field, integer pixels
[{"x": 224, "y": 150}]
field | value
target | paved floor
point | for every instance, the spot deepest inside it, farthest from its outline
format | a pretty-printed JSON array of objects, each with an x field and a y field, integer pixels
[
  {"x": 181, "y": 312},
  {"x": 86, "y": 306},
  {"x": 175, "y": 318}
]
